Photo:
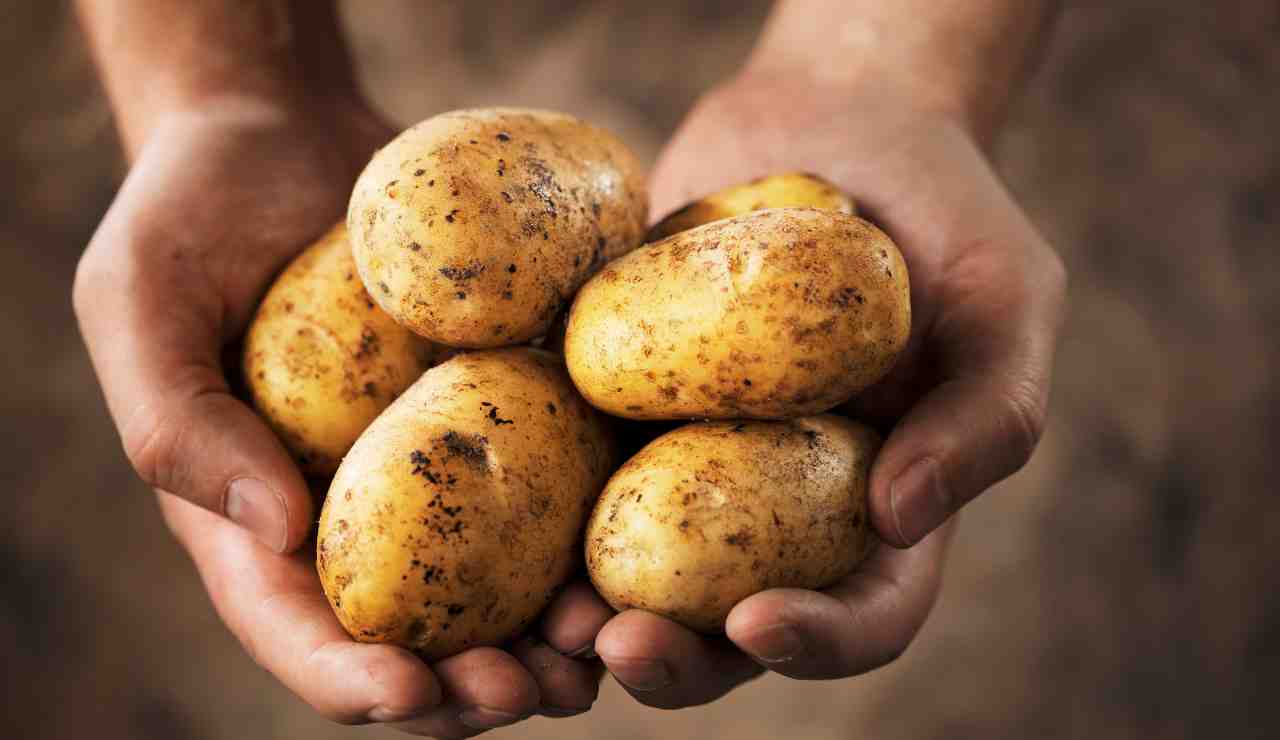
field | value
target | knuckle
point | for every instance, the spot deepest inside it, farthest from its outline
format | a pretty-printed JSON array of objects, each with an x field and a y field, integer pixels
[
  {"x": 84, "y": 285},
  {"x": 1024, "y": 416},
  {"x": 151, "y": 438}
]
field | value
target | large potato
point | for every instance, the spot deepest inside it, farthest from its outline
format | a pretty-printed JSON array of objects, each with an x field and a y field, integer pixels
[
  {"x": 457, "y": 514},
  {"x": 714, "y": 512},
  {"x": 775, "y": 314},
  {"x": 788, "y": 190},
  {"x": 321, "y": 360},
  {"x": 474, "y": 228}
]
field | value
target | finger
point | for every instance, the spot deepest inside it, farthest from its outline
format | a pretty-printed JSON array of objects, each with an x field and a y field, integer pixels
[
  {"x": 863, "y": 622},
  {"x": 573, "y": 620},
  {"x": 484, "y": 688},
  {"x": 275, "y": 607},
  {"x": 995, "y": 335},
  {"x": 666, "y": 665},
  {"x": 566, "y": 686},
  {"x": 156, "y": 353}
]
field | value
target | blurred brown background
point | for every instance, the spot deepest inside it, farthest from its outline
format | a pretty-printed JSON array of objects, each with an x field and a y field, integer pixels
[{"x": 1123, "y": 586}]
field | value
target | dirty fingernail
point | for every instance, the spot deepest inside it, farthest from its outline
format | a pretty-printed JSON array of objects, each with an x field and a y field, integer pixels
[
  {"x": 641, "y": 675},
  {"x": 919, "y": 501},
  {"x": 777, "y": 644},
  {"x": 482, "y": 718},
  {"x": 253, "y": 505}
]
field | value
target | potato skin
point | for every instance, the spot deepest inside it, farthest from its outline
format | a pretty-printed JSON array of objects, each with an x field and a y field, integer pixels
[
  {"x": 775, "y": 314},
  {"x": 475, "y": 227},
  {"x": 786, "y": 190},
  {"x": 458, "y": 513},
  {"x": 714, "y": 512},
  {"x": 321, "y": 360}
]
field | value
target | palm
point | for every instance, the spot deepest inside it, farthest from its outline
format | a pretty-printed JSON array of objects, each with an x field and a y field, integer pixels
[{"x": 963, "y": 404}]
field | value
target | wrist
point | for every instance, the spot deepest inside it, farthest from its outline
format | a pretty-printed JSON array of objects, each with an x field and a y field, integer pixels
[{"x": 878, "y": 83}]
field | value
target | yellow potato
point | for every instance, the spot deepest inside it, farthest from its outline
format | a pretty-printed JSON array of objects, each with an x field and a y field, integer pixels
[
  {"x": 714, "y": 512},
  {"x": 321, "y": 360},
  {"x": 779, "y": 313},
  {"x": 789, "y": 190},
  {"x": 474, "y": 228},
  {"x": 459, "y": 512}
]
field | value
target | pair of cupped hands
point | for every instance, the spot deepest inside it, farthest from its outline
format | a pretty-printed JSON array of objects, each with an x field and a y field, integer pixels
[{"x": 223, "y": 194}]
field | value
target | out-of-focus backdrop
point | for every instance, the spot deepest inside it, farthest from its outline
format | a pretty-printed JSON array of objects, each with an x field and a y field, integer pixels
[{"x": 1125, "y": 585}]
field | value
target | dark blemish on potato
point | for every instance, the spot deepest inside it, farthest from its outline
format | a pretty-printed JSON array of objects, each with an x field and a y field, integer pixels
[
  {"x": 551, "y": 408},
  {"x": 506, "y": 295},
  {"x": 497, "y": 420},
  {"x": 462, "y": 296},
  {"x": 670, "y": 392},
  {"x": 451, "y": 214},
  {"x": 812, "y": 436},
  {"x": 738, "y": 427},
  {"x": 472, "y": 448},
  {"x": 462, "y": 274},
  {"x": 429, "y": 574},
  {"x": 545, "y": 236},
  {"x": 741, "y": 538},
  {"x": 683, "y": 525},
  {"x": 503, "y": 136},
  {"x": 746, "y": 382},
  {"x": 370, "y": 390},
  {"x": 634, "y": 407},
  {"x": 502, "y": 168},
  {"x": 776, "y": 521},
  {"x": 431, "y": 183},
  {"x": 383, "y": 287},
  {"x": 368, "y": 344},
  {"x": 455, "y": 609},
  {"x": 415, "y": 247},
  {"x": 577, "y": 260},
  {"x": 419, "y": 173},
  {"x": 506, "y": 196},
  {"x": 511, "y": 268}
]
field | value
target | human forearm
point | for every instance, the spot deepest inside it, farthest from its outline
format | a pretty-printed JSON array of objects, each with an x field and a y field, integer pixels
[
  {"x": 160, "y": 55},
  {"x": 963, "y": 58}
]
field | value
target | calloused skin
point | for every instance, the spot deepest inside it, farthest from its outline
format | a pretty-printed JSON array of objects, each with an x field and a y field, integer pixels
[
  {"x": 966, "y": 402},
  {"x": 217, "y": 201}
]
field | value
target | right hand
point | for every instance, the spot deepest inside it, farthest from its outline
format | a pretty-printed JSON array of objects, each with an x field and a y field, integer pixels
[{"x": 219, "y": 199}]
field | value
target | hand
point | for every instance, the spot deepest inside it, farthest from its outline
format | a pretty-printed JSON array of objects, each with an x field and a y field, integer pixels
[
  {"x": 966, "y": 402},
  {"x": 219, "y": 199}
]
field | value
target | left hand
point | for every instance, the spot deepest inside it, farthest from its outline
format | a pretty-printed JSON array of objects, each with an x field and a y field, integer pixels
[{"x": 966, "y": 401}]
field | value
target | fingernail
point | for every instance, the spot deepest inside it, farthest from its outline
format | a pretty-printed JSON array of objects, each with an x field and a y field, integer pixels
[
  {"x": 919, "y": 501},
  {"x": 641, "y": 675},
  {"x": 777, "y": 644},
  {"x": 389, "y": 714},
  {"x": 586, "y": 652},
  {"x": 560, "y": 711},
  {"x": 482, "y": 718},
  {"x": 254, "y": 506}
]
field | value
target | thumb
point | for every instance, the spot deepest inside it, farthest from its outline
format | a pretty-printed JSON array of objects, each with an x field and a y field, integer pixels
[
  {"x": 154, "y": 337},
  {"x": 982, "y": 422}
]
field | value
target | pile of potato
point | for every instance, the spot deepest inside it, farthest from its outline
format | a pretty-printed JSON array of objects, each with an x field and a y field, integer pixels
[{"x": 398, "y": 355}]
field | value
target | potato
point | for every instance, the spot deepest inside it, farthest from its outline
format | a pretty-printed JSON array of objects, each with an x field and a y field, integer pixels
[
  {"x": 789, "y": 190},
  {"x": 714, "y": 512},
  {"x": 474, "y": 228},
  {"x": 459, "y": 512},
  {"x": 321, "y": 360},
  {"x": 775, "y": 314}
]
